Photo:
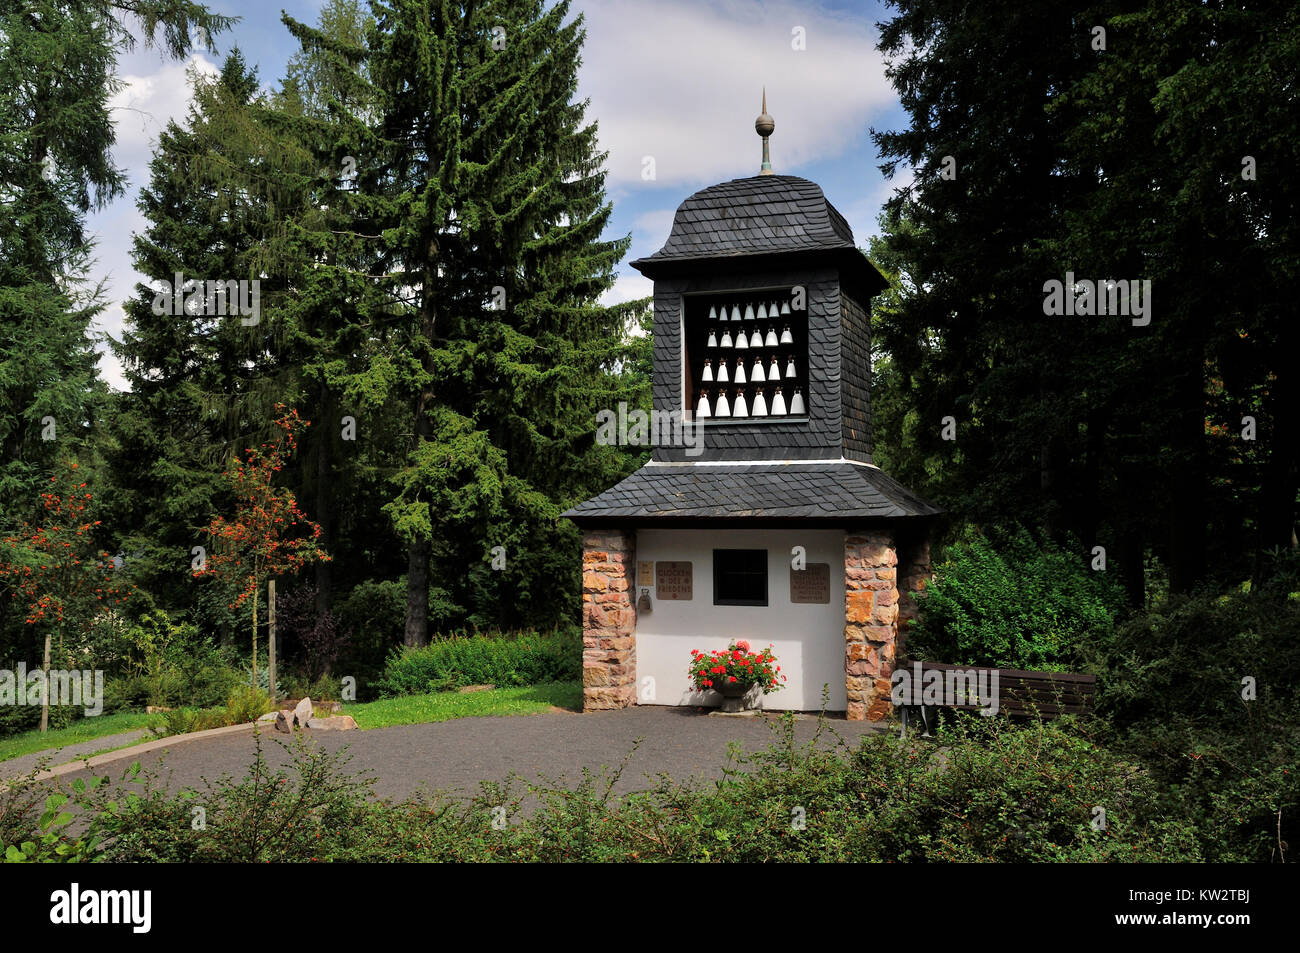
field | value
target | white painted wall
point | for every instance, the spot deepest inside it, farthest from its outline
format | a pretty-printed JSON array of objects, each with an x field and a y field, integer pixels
[{"x": 808, "y": 640}]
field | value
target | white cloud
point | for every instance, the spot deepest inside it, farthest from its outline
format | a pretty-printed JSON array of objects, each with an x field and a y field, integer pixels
[
  {"x": 141, "y": 109},
  {"x": 681, "y": 81}
]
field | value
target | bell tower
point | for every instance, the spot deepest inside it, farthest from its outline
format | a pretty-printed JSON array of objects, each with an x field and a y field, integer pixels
[
  {"x": 761, "y": 330},
  {"x": 774, "y": 524}
]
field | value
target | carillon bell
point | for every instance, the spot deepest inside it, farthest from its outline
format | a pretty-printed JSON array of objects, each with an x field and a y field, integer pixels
[
  {"x": 722, "y": 371},
  {"x": 740, "y": 409},
  {"x": 713, "y": 313},
  {"x": 756, "y": 374},
  {"x": 796, "y": 403},
  {"x": 772, "y": 311},
  {"x": 740, "y": 372},
  {"x": 708, "y": 371},
  {"x": 726, "y": 339},
  {"x": 774, "y": 372},
  {"x": 760, "y": 405},
  {"x": 713, "y": 339},
  {"x": 789, "y": 368},
  {"x": 756, "y": 339},
  {"x": 786, "y": 336},
  {"x": 741, "y": 339},
  {"x": 749, "y": 312},
  {"x": 785, "y": 307},
  {"x": 778, "y": 404},
  {"x": 723, "y": 409},
  {"x": 762, "y": 313},
  {"x": 702, "y": 408},
  {"x": 770, "y": 340},
  {"x": 735, "y": 313}
]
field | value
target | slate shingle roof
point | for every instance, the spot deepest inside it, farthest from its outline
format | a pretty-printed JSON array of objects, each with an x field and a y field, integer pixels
[
  {"x": 830, "y": 491},
  {"x": 763, "y": 214}
]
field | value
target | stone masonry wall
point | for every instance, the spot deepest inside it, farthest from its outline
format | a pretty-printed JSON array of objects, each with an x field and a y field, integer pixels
[
  {"x": 871, "y": 612},
  {"x": 608, "y": 620},
  {"x": 914, "y": 571}
]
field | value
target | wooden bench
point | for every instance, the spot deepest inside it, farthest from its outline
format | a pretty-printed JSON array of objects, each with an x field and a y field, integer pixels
[{"x": 1020, "y": 694}]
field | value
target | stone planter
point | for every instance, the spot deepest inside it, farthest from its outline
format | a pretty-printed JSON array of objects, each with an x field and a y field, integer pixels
[{"x": 733, "y": 695}]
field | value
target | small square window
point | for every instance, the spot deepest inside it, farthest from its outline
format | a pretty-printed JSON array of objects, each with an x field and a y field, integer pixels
[{"x": 740, "y": 577}]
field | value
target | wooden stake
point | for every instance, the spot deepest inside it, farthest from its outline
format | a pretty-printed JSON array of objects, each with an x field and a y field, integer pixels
[{"x": 270, "y": 621}]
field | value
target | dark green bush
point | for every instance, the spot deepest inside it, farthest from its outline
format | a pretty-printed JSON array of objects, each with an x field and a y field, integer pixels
[
  {"x": 1171, "y": 683},
  {"x": 527, "y": 658},
  {"x": 989, "y": 792},
  {"x": 1017, "y": 604}
]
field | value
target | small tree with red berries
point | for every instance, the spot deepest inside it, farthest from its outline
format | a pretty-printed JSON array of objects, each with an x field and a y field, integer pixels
[
  {"x": 269, "y": 535},
  {"x": 55, "y": 569}
]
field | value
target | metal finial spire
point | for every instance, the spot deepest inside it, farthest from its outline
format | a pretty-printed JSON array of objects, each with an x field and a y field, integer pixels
[{"x": 764, "y": 125}]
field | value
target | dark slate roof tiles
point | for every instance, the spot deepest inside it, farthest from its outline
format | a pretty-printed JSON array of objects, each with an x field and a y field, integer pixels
[
  {"x": 784, "y": 491},
  {"x": 756, "y": 215}
]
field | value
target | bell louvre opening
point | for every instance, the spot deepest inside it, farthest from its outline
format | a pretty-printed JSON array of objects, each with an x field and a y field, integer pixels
[{"x": 746, "y": 357}]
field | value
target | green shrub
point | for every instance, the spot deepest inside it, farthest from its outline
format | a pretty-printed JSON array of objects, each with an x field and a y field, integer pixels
[
  {"x": 1171, "y": 683},
  {"x": 244, "y": 704},
  {"x": 1015, "y": 605},
  {"x": 528, "y": 658},
  {"x": 989, "y": 792}
]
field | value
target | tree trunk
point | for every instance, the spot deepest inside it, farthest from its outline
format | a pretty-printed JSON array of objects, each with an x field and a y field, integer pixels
[
  {"x": 417, "y": 595},
  {"x": 324, "y": 507},
  {"x": 254, "y": 637},
  {"x": 417, "y": 572},
  {"x": 45, "y": 695}
]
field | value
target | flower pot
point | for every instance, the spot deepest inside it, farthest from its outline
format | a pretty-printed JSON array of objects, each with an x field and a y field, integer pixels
[{"x": 733, "y": 694}]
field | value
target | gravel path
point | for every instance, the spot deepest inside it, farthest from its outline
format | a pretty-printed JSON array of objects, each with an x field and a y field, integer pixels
[
  {"x": 17, "y": 767},
  {"x": 455, "y": 756}
]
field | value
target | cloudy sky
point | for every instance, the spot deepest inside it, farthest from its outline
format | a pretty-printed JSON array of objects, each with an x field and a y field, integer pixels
[{"x": 679, "y": 80}]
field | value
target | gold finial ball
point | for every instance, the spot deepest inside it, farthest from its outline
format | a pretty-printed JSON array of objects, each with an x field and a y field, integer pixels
[{"x": 764, "y": 125}]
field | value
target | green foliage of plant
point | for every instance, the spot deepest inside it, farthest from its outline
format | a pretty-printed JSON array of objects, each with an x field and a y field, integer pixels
[
  {"x": 1174, "y": 684},
  {"x": 986, "y": 791},
  {"x": 244, "y": 705},
  {"x": 524, "y": 658},
  {"x": 1015, "y": 604}
]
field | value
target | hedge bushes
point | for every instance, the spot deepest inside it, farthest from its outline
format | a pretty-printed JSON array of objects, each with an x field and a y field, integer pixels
[
  {"x": 1014, "y": 604},
  {"x": 528, "y": 658},
  {"x": 990, "y": 792}
]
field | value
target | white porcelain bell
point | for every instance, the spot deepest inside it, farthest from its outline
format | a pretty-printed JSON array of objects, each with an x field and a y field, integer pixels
[
  {"x": 708, "y": 371},
  {"x": 726, "y": 339},
  {"x": 702, "y": 408},
  {"x": 740, "y": 372},
  {"x": 760, "y": 405},
  {"x": 796, "y": 403},
  {"x": 749, "y": 312},
  {"x": 774, "y": 371},
  {"x": 785, "y": 307},
  {"x": 722, "y": 371},
  {"x": 762, "y": 316},
  {"x": 756, "y": 339},
  {"x": 713, "y": 339},
  {"x": 772, "y": 311},
  {"x": 741, "y": 340},
  {"x": 740, "y": 410},
  {"x": 722, "y": 410},
  {"x": 756, "y": 374},
  {"x": 713, "y": 313},
  {"x": 778, "y": 404},
  {"x": 735, "y": 312},
  {"x": 786, "y": 336},
  {"x": 770, "y": 340},
  {"x": 789, "y": 368}
]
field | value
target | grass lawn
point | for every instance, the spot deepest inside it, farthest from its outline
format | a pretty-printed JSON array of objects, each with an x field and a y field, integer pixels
[
  {"x": 444, "y": 706},
  {"x": 85, "y": 729}
]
